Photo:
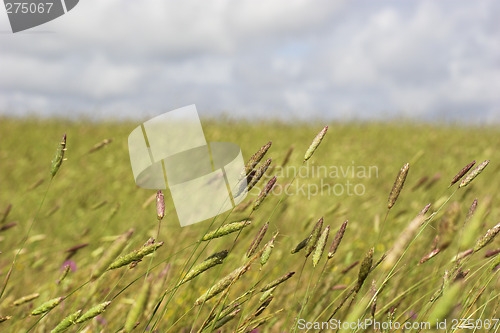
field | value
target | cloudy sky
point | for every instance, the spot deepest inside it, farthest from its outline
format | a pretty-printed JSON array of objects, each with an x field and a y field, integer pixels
[{"x": 288, "y": 59}]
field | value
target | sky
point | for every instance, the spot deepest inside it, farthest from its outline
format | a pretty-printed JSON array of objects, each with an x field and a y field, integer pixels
[{"x": 285, "y": 59}]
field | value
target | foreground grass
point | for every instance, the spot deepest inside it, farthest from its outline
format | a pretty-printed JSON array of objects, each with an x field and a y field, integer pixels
[{"x": 93, "y": 199}]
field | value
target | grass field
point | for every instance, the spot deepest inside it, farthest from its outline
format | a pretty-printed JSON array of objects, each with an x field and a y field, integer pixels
[{"x": 93, "y": 199}]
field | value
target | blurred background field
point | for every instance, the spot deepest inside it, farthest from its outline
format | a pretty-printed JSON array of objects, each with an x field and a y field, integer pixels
[{"x": 94, "y": 198}]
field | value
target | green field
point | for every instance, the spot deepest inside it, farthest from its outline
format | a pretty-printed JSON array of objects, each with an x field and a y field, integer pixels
[{"x": 93, "y": 199}]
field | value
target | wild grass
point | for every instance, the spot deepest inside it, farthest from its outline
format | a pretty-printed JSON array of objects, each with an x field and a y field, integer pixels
[{"x": 82, "y": 249}]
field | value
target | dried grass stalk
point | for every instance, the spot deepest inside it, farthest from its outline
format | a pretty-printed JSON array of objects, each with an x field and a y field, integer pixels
[
  {"x": 314, "y": 145},
  {"x": 225, "y": 230},
  {"x": 473, "y": 174},
  {"x": 429, "y": 256},
  {"x": 462, "y": 172},
  {"x": 398, "y": 185}
]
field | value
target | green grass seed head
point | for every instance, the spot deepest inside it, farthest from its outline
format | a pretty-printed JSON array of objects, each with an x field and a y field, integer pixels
[
  {"x": 320, "y": 247},
  {"x": 64, "y": 274},
  {"x": 268, "y": 248},
  {"x": 473, "y": 174},
  {"x": 66, "y": 322},
  {"x": 313, "y": 240},
  {"x": 314, "y": 145},
  {"x": 47, "y": 306},
  {"x": 221, "y": 285},
  {"x": 208, "y": 263},
  {"x": 487, "y": 238},
  {"x": 398, "y": 185},
  {"x": 93, "y": 312},
  {"x": 225, "y": 230},
  {"x": 58, "y": 157},
  {"x": 136, "y": 255},
  {"x": 365, "y": 269}
]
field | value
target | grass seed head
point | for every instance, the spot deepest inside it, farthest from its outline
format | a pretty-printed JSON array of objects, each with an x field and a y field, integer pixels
[
  {"x": 398, "y": 185},
  {"x": 314, "y": 145},
  {"x": 93, "y": 312},
  {"x": 278, "y": 281},
  {"x": 313, "y": 239},
  {"x": 160, "y": 205},
  {"x": 320, "y": 247},
  {"x": 488, "y": 237},
  {"x": 268, "y": 248},
  {"x": 58, "y": 157},
  {"x": 208, "y": 263},
  {"x": 462, "y": 172},
  {"x": 136, "y": 255},
  {"x": 259, "y": 173},
  {"x": 265, "y": 191},
  {"x": 473, "y": 174},
  {"x": 337, "y": 239},
  {"x": 221, "y": 285},
  {"x": 66, "y": 322},
  {"x": 47, "y": 306},
  {"x": 365, "y": 269},
  {"x": 258, "y": 238},
  {"x": 429, "y": 256},
  {"x": 225, "y": 230},
  {"x": 301, "y": 245},
  {"x": 257, "y": 157}
]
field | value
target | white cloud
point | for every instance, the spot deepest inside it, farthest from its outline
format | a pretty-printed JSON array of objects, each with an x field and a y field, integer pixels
[{"x": 340, "y": 59}]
